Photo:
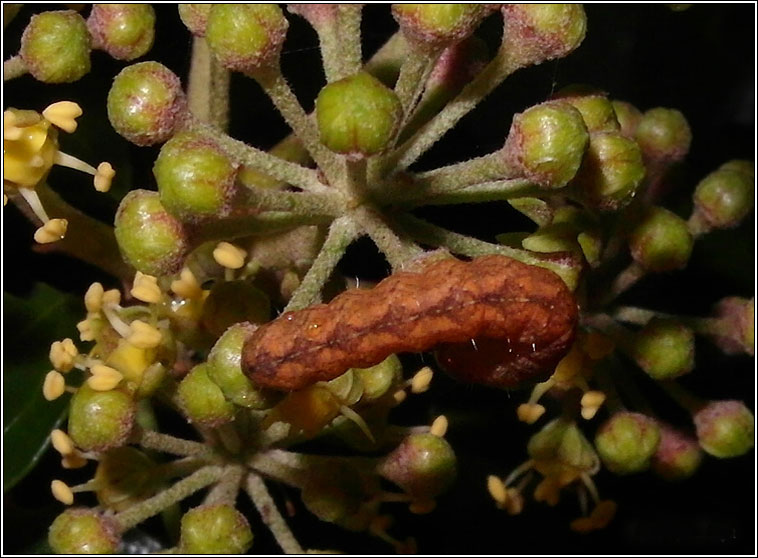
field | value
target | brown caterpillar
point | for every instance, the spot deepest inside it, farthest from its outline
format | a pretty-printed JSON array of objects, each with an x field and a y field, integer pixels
[{"x": 494, "y": 321}]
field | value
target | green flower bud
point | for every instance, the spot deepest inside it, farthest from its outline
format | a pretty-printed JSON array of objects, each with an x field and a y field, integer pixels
[
  {"x": 196, "y": 179},
  {"x": 678, "y": 455},
  {"x": 55, "y": 47},
  {"x": 357, "y": 116},
  {"x": 740, "y": 165},
  {"x": 627, "y": 442},
  {"x": 146, "y": 103},
  {"x": 341, "y": 495},
  {"x": 557, "y": 237},
  {"x": 559, "y": 446},
  {"x": 435, "y": 26},
  {"x": 535, "y": 33},
  {"x": 664, "y": 134},
  {"x": 150, "y": 239},
  {"x": 232, "y": 302},
  {"x": 736, "y": 333},
  {"x": 225, "y": 370},
  {"x": 124, "y": 478},
  {"x": 100, "y": 420},
  {"x": 215, "y": 529},
  {"x": 125, "y": 31},
  {"x": 597, "y": 110},
  {"x": 611, "y": 171},
  {"x": 202, "y": 401},
  {"x": 724, "y": 197},
  {"x": 246, "y": 37},
  {"x": 84, "y": 531},
  {"x": 546, "y": 143},
  {"x": 628, "y": 117},
  {"x": 664, "y": 349},
  {"x": 725, "y": 428},
  {"x": 195, "y": 17},
  {"x": 661, "y": 241},
  {"x": 379, "y": 379},
  {"x": 424, "y": 465}
]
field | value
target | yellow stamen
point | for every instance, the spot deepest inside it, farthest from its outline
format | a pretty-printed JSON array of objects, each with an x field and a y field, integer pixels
[
  {"x": 146, "y": 288},
  {"x": 439, "y": 426},
  {"x": 104, "y": 378},
  {"x": 63, "y": 114},
  {"x": 421, "y": 380},
  {"x": 63, "y": 354},
  {"x": 62, "y": 442},
  {"x": 399, "y": 396},
  {"x": 73, "y": 461},
  {"x": 86, "y": 330},
  {"x": 497, "y": 490},
  {"x": 65, "y": 160},
  {"x": 104, "y": 177},
  {"x": 144, "y": 336},
  {"x": 54, "y": 385},
  {"x": 52, "y": 231},
  {"x": 530, "y": 412},
  {"x": 93, "y": 298},
  {"x": 229, "y": 256},
  {"x": 514, "y": 504},
  {"x": 591, "y": 403},
  {"x": 187, "y": 286},
  {"x": 111, "y": 297},
  {"x": 62, "y": 492}
]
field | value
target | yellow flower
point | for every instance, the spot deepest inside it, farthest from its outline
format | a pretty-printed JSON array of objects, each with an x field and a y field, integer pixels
[{"x": 29, "y": 148}]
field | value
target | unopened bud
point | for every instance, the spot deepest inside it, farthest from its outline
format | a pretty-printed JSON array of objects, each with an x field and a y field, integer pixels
[
  {"x": 435, "y": 26},
  {"x": 664, "y": 135},
  {"x": 725, "y": 428},
  {"x": 664, "y": 349},
  {"x": 55, "y": 47},
  {"x": 661, "y": 241},
  {"x": 423, "y": 465},
  {"x": 125, "y": 31},
  {"x": 627, "y": 442}
]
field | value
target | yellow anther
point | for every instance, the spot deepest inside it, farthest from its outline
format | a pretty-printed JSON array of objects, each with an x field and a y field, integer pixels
[
  {"x": 422, "y": 507},
  {"x": 63, "y": 354},
  {"x": 143, "y": 335},
  {"x": 514, "y": 503},
  {"x": 229, "y": 256},
  {"x": 52, "y": 231},
  {"x": 73, "y": 461},
  {"x": 187, "y": 286},
  {"x": 591, "y": 402},
  {"x": 29, "y": 148},
  {"x": 498, "y": 491},
  {"x": 62, "y": 492},
  {"x": 421, "y": 380},
  {"x": 598, "y": 346},
  {"x": 439, "y": 426},
  {"x": 104, "y": 378},
  {"x": 86, "y": 330},
  {"x": 63, "y": 114},
  {"x": 61, "y": 442},
  {"x": 111, "y": 297},
  {"x": 399, "y": 396},
  {"x": 146, "y": 288},
  {"x": 104, "y": 177},
  {"x": 530, "y": 412},
  {"x": 54, "y": 385},
  {"x": 600, "y": 517},
  {"x": 93, "y": 298}
]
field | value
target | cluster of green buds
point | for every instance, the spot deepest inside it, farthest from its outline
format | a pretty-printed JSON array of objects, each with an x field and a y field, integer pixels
[{"x": 235, "y": 233}]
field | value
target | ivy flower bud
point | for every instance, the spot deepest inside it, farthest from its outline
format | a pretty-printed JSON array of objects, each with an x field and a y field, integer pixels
[
  {"x": 125, "y": 31},
  {"x": 435, "y": 26},
  {"x": 349, "y": 503},
  {"x": 124, "y": 478},
  {"x": 215, "y": 529},
  {"x": 725, "y": 428},
  {"x": 664, "y": 349},
  {"x": 737, "y": 325},
  {"x": 597, "y": 110},
  {"x": 146, "y": 103},
  {"x": 150, "y": 239},
  {"x": 246, "y": 37},
  {"x": 661, "y": 241},
  {"x": 561, "y": 449},
  {"x": 225, "y": 369},
  {"x": 357, "y": 116},
  {"x": 724, "y": 197},
  {"x": 611, "y": 171},
  {"x": 195, "y": 17},
  {"x": 232, "y": 302},
  {"x": 535, "y": 33},
  {"x": 628, "y": 117},
  {"x": 664, "y": 134},
  {"x": 424, "y": 465},
  {"x": 202, "y": 401},
  {"x": 678, "y": 455},
  {"x": 55, "y": 47},
  {"x": 627, "y": 442},
  {"x": 546, "y": 143},
  {"x": 196, "y": 179},
  {"x": 100, "y": 420},
  {"x": 379, "y": 379},
  {"x": 84, "y": 531}
]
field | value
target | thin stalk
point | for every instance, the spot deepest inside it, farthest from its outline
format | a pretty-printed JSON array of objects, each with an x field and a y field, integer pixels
[
  {"x": 386, "y": 62},
  {"x": 349, "y": 27},
  {"x": 256, "y": 489},
  {"x": 491, "y": 167},
  {"x": 225, "y": 491},
  {"x": 296, "y": 203},
  {"x": 399, "y": 250},
  {"x": 623, "y": 282},
  {"x": 476, "y": 193},
  {"x": 263, "y": 223},
  {"x": 341, "y": 233},
  {"x": 14, "y": 67},
  {"x": 267, "y": 464},
  {"x": 641, "y": 316},
  {"x": 330, "y": 47},
  {"x": 208, "y": 89},
  {"x": 412, "y": 79},
  {"x": 150, "y": 439}
]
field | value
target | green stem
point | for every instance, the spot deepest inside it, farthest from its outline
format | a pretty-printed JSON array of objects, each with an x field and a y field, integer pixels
[
  {"x": 386, "y": 62},
  {"x": 399, "y": 250},
  {"x": 623, "y": 282},
  {"x": 270, "y": 515},
  {"x": 341, "y": 233},
  {"x": 330, "y": 47},
  {"x": 296, "y": 203},
  {"x": 271, "y": 465},
  {"x": 225, "y": 491},
  {"x": 150, "y": 439},
  {"x": 263, "y": 223},
  {"x": 349, "y": 26},
  {"x": 487, "y": 168},
  {"x": 14, "y": 67},
  {"x": 179, "y": 491},
  {"x": 477, "y": 193},
  {"x": 208, "y": 89},
  {"x": 412, "y": 79}
]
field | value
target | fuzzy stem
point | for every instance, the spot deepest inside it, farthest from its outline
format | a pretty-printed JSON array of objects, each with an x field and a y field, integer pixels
[
  {"x": 179, "y": 491},
  {"x": 225, "y": 491},
  {"x": 150, "y": 439},
  {"x": 296, "y": 203},
  {"x": 263, "y": 223},
  {"x": 288, "y": 172},
  {"x": 271, "y": 465},
  {"x": 14, "y": 67},
  {"x": 386, "y": 62},
  {"x": 412, "y": 79},
  {"x": 270, "y": 515},
  {"x": 476, "y": 193},
  {"x": 349, "y": 26},
  {"x": 208, "y": 89},
  {"x": 330, "y": 47},
  {"x": 341, "y": 233},
  {"x": 490, "y": 167},
  {"x": 399, "y": 250}
]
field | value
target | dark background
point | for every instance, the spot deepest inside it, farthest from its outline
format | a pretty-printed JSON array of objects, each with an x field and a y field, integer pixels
[{"x": 700, "y": 61}]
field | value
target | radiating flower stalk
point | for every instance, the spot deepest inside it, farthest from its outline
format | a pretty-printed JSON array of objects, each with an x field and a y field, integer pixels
[{"x": 234, "y": 230}]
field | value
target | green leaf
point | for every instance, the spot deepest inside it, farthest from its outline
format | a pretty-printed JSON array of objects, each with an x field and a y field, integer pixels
[{"x": 32, "y": 323}]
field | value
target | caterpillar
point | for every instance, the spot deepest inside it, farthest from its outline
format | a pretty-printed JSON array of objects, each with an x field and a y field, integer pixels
[{"x": 492, "y": 320}]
